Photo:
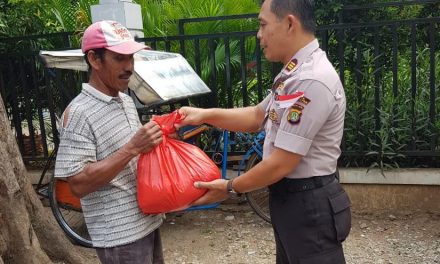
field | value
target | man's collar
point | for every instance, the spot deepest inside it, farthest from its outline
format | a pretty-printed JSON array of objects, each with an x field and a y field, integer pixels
[
  {"x": 300, "y": 56},
  {"x": 97, "y": 94}
]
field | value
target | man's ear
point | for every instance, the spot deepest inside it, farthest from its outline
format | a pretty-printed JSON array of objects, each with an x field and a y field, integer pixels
[
  {"x": 94, "y": 60},
  {"x": 292, "y": 21}
]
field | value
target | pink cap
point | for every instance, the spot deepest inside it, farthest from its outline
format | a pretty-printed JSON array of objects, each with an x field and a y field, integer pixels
[{"x": 110, "y": 35}]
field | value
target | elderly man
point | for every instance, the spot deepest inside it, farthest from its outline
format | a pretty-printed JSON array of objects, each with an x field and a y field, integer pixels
[{"x": 100, "y": 140}]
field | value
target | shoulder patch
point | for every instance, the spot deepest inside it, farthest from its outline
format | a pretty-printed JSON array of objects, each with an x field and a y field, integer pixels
[{"x": 295, "y": 112}]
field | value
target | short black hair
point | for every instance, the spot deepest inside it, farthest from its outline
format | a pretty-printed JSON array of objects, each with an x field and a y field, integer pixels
[
  {"x": 303, "y": 9},
  {"x": 99, "y": 53}
]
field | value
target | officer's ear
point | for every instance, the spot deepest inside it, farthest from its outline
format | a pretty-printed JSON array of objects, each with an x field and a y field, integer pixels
[{"x": 292, "y": 21}]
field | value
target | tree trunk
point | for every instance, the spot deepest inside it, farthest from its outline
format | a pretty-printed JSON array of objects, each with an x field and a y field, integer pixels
[{"x": 28, "y": 234}]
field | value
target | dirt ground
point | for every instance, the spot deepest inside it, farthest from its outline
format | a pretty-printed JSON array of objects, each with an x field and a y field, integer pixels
[{"x": 232, "y": 233}]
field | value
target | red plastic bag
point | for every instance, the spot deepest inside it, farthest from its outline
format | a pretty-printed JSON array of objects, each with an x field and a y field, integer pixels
[{"x": 166, "y": 175}]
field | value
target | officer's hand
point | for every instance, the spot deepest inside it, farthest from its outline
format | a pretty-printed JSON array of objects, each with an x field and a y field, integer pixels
[
  {"x": 216, "y": 191},
  {"x": 174, "y": 135},
  {"x": 145, "y": 139},
  {"x": 191, "y": 116}
]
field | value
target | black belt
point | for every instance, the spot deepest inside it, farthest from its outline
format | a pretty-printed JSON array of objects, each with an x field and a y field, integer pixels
[{"x": 300, "y": 185}]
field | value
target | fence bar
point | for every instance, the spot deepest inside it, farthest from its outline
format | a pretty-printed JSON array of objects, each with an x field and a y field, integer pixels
[
  {"x": 340, "y": 37},
  {"x": 432, "y": 49},
  {"x": 407, "y": 153},
  {"x": 394, "y": 69},
  {"x": 197, "y": 63},
  {"x": 182, "y": 33},
  {"x": 377, "y": 82},
  {"x": 413, "y": 84},
  {"x": 38, "y": 100},
  {"x": 216, "y": 18},
  {"x": 39, "y": 36},
  {"x": 51, "y": 105},
  {"x": 324, "y": 40},
  {"x": 230, "y": 103},
  {"x": 358, "y": 92},
  {"x": 243, "y": 72},
  {"x": 204, "y": 36},
  {"x": 27, "y": 104},
  {"x": 388, "y": 4},
  {"x": 394, "y": 59},
  {"x": 153, "y": 45},
  {"x": 341, "y": 55},
  {"x": 2, "y": 86},
  {"x": 66, "y": 40},
  {"x": 16, "y": 115},
  {"x": 197, "y": 66},
  {"x": 380, "y": 23},
  {"x": 259, "y": 71},
  {"x": 214, "y": 98}
]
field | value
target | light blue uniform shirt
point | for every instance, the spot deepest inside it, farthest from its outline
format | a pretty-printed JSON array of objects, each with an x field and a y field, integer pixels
[{"x": 313, "y": 126}]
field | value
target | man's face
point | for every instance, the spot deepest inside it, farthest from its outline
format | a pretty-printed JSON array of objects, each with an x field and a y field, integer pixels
[
  {"x": 272, "y": 33},
  {"x": 115, "y": 70}
]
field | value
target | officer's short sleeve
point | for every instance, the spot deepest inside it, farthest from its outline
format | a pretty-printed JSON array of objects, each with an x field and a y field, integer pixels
[
  {"x": 76, "y": 150},
  {"x": 301, "y": 122},
  {"x": 263, "y": 105}
]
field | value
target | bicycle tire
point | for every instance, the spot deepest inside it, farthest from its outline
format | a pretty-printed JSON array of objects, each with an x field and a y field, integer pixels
[
  {"x": 258, "y": 199},
  {"x": 70, "y": 218}
]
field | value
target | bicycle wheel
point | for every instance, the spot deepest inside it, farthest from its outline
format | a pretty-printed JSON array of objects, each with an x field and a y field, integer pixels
[
  {"x": 67, "y": 211},
  {"x": 258, "y": 199}
]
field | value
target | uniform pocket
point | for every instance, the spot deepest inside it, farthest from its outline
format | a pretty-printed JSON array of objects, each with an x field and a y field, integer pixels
[{"x": 340, "y": 204}]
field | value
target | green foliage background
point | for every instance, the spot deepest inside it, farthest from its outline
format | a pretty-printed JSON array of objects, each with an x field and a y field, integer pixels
[{"x": 405, "y": 123}]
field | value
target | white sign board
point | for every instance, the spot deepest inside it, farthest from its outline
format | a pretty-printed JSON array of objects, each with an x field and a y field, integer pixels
[{"x": 158, "y": 76}]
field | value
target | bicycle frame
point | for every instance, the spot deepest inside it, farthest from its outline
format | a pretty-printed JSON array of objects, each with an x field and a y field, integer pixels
[{"x": 256, "y": 147}]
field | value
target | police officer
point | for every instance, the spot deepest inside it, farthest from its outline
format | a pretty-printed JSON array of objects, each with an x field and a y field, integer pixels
[{"x": 303, "y": 118}]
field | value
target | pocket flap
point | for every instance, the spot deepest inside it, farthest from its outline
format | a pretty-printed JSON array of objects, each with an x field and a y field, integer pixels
[{"x": 340, "y": 202}]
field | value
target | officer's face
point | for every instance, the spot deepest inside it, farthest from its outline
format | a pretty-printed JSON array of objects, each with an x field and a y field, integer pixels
[{"x": 272, "y": 34}]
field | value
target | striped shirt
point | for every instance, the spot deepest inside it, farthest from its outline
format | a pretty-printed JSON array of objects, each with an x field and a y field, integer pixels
[{"x": 98, "y": 125}]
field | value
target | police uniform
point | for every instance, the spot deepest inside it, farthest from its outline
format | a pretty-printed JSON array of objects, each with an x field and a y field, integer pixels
[{"x": 310, "y": 211}]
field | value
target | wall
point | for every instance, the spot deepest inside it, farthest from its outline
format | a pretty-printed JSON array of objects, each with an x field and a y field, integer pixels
[{"x": 400, "y": 191}]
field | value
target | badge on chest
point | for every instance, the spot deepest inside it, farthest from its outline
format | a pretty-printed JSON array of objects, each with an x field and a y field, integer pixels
[{"x": 273, "y": 115}]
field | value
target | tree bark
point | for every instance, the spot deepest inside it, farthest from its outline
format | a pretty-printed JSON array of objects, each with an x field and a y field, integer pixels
[{"x": 28, "y": 233}]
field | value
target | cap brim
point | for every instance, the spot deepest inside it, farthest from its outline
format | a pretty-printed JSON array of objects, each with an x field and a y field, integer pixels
[{"x": 129, "y": 47}]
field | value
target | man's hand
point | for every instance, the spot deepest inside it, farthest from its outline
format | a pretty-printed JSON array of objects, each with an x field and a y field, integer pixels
[
  {"x": 216, "y": 191},
  {"x": 145, "y": 139}
]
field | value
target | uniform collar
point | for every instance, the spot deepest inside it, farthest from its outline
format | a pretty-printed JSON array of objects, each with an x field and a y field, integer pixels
[
  {"x": 301, "y": 56},
  {"x": 90, "y": 90},
  {"x": 295, "y": 62}
]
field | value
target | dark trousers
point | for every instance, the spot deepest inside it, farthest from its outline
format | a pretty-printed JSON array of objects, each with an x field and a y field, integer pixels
[
  {"x": 310, "y": 220},
  {"x": 147, "y": 250}
]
